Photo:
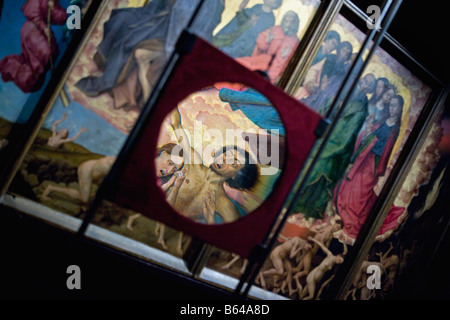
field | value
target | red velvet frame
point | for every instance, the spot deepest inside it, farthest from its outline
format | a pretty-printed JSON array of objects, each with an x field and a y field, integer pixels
[{"x": 202, "y": 67}]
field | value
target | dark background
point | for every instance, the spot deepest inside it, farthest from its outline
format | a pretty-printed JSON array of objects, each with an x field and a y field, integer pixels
[
  {"x": 34, "y": 255},
  {"x": 422, "y": 28}
]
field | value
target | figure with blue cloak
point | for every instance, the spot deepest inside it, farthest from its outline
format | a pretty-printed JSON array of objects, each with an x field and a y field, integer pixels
[
  {"x": 258, "y": 109},
  {"x": 312, "y": 79},
  {"x": 333, "y": 73},
  {"x": 255, "y": 106},
  {"x": 336, "y": 154},
  {"x": 238, "y": 37},
  {"x": 136, "y": 44}
]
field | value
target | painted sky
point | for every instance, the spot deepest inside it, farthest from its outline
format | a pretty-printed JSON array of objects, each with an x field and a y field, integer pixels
[{"x": 101, "y": 137}]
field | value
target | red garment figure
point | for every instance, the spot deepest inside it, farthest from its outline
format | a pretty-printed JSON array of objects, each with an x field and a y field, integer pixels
[
  {"x": 38, "y": 44},
  {"x": 391, "y": 220},
  {"x": 354, "y": 195},
  {"x": 274, "y": 48}
]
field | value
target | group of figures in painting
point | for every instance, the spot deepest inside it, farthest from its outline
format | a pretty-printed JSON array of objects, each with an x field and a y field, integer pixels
[
  {"x": 346, "y": 178},
  {"x": 131, "y": 66}
]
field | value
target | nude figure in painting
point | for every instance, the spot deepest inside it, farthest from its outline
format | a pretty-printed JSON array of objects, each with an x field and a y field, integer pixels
[
  {"x": 232, "y": 166},
  {"x": 58, "y": 138}
]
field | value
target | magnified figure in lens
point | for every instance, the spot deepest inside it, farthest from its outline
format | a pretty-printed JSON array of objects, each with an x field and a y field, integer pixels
[
  {"x": 231, "y": 165},
  {"x": 171, "y": 176}
]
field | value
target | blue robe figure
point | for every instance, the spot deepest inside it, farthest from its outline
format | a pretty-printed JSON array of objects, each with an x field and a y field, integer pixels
[
  {"x": 238, "y": 37},
  {"x": 255, "y": 106},
  {"x": 161, "y": 21},
  {"x": 113, "y": 52}
]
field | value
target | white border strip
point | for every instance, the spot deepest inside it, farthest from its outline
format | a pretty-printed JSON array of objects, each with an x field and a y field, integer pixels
[
  {"x": 216, "y": 277},
  {"x": 128, "y": 245},
  {"x": 42, "y": 212},
  {"x": 135, "y": 247}
]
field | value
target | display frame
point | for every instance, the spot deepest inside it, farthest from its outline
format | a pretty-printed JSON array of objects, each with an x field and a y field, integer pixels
[
  {"x": 159, "y": 101},
  {"x": 388, "y": 192},
  {"x": 345, "y": 274},
  {"x": 16, "y": 201},
  {"x": 310, "y": 47},
  {"x": 375, "y": 221}
]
